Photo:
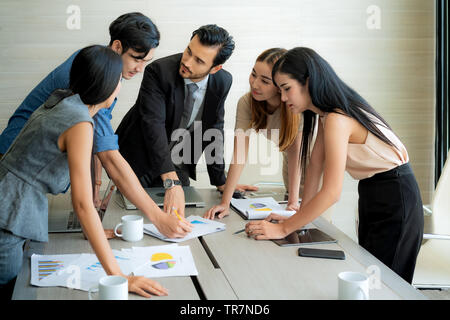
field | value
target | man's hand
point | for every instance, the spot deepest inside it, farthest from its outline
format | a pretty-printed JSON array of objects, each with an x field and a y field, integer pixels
[
  {"x": 172, "y": 227},
  {"x": 174, "y": 198}
]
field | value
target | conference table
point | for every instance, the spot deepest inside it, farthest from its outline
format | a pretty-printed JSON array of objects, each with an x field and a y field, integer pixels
[{"x": 232, "y": 266}]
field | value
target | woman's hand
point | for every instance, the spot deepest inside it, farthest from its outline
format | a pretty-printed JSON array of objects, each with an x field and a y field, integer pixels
[
  {"x": 263, "y": 229},
  {"x": 145, "y": 287},
  {"x": 276, "y": 217},
  {"x": 221, "y": 209},
  {"x": 293, "y": 206}
]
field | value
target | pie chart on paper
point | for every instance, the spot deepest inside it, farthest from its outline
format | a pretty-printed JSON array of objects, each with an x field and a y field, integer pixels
[
  {"x": 162, "y": 265},
  {"x": 160, "y": 256}
]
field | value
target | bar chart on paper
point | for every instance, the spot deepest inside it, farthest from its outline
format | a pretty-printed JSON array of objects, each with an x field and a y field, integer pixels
[{"x": 47, "y": 267}]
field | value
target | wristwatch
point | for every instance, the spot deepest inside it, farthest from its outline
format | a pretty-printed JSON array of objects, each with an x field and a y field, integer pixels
[{"x": 169, "y": 183}]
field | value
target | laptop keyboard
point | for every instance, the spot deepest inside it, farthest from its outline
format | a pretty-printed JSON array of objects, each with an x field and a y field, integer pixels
[{"x": 73, "y": 222}]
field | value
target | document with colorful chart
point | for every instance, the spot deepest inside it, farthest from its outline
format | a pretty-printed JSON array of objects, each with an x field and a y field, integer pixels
[
  {"x": 83, "y": 271},
  {"x": 76, "y": 271},
  {"x": 200, "y": 225},
  {"x": 166, "y": 261},
  {"x": 259, "y": 208},
  {"x": 43, "y": 266}
]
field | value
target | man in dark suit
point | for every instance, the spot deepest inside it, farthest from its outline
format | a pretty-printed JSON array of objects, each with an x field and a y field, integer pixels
[{"x": 181, "y": 98}]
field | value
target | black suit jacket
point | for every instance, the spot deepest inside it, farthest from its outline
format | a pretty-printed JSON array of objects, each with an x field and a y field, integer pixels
[{"x": 144, "y": 133}]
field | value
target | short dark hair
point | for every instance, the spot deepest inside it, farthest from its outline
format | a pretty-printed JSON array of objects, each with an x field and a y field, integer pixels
[
  {"x": 135, "y": 31},
  {"x": 213, "y": 35},
  {"x": 95, "y": 73}
]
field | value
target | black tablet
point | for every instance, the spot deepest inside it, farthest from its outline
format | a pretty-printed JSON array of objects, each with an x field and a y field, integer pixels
[{"x": 305, "y": 237}]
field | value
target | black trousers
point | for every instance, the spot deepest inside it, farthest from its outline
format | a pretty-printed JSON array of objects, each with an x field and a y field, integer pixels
[{"x": 391, "y": 219}]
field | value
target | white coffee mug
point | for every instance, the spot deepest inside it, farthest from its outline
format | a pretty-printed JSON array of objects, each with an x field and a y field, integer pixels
[
  {"x": 353, "y": 286},
  {"x": 132, "y": 228},
  {"x": 110, "y": 288}
]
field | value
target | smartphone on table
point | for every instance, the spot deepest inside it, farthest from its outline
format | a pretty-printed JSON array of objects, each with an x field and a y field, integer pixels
[{"x": 321, "y": 253}]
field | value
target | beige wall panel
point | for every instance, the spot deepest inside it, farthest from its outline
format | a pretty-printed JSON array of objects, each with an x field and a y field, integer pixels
[{"x": 392, "y": 67}]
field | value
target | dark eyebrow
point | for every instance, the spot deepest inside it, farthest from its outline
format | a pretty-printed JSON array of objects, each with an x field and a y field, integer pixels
[
  {"x": 190, "y": 51},
  {"x": 282, "y": 84}
]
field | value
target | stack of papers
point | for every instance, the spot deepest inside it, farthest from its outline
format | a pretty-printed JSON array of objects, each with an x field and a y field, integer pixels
[
  {"x": 259, "y": 208},
  {"x": 83, "y": 271},
  {"x": 201, "y": 227}
]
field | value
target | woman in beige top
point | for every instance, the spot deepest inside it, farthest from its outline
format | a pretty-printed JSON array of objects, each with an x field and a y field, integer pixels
[
  {"x": 351, "y": 136},
  {"x": 262, "y": 110}
]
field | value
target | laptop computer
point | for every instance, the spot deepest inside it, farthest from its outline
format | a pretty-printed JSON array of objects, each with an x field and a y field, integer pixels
[
  {"x": 191, "y": 196},
  {"x": 62, "y": 217},
  {"x": 280, "y": 196}
]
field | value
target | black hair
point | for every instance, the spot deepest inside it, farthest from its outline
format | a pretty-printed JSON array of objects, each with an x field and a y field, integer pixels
[
  {"x": 95, "y": 73},
  {"x": 135, "y": 31},
  {"x": 213, "y": 35},
  {"x": 328, "y": 93}
]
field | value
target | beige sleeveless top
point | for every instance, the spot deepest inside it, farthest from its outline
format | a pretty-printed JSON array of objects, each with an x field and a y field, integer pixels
[
  {"x": 244, "y": 119},
  {"x": 374, "y": 156}
]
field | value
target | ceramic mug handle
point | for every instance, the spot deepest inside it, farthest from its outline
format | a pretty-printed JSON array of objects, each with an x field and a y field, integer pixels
[
  {"x": 115, "y": 230},
  {"x": 91, "y": 290}
]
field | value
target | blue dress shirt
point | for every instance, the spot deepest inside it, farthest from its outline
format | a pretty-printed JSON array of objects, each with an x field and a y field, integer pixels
[{"x": 104, "y": 137}]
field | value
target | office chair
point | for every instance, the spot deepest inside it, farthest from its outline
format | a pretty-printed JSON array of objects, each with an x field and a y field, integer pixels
[{"x": 433, "y": 263}]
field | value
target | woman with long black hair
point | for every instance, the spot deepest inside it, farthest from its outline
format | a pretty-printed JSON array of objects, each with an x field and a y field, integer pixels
[
  {"x": 54, "y": 149},
  {"x": 351, "y": 137}
]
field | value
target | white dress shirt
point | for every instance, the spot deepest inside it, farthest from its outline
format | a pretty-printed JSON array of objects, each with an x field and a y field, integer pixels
[{"x": 199, "y": 96}]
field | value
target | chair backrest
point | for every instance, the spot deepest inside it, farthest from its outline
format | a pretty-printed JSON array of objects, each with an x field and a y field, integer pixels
[{"x": 441, "y": 203}]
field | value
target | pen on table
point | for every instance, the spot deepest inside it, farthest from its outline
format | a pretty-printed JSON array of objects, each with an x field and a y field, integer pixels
[{"x": 239, "y": 231}]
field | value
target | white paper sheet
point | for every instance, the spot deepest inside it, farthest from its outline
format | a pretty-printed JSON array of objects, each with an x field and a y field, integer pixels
[
  {"x": 201, "y": 227},
  {"x": 43, "y": 267},
  {"x": 83, "y": 271},
  {"x": 259, "y": 208},
  {"x": 169, "y": 261}
]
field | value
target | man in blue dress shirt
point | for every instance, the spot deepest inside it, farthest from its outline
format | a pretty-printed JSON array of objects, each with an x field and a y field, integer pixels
[{"x": 134, "y": 37}]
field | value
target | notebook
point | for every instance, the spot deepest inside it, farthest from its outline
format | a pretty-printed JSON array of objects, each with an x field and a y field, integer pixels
[
  {"x": 200, "y": 225},
  {"x": 62, "y": 217},
  {"x": 191, "y": 196},
  {"x": 280, "y": 196},
  {"x": 258, "y": 208}
]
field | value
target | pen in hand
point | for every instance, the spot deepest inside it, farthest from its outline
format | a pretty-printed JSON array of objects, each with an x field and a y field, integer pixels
[
  {"x": 240, "y": 231},
  {"x": 176, "y": 212}
]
